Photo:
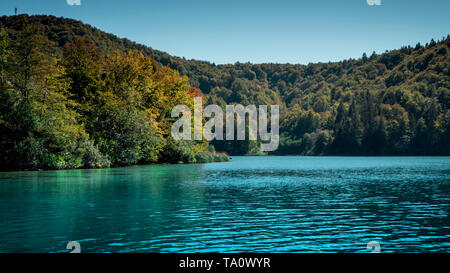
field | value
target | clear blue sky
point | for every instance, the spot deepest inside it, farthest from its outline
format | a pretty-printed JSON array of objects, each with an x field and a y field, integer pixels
[{"x": 226, "y": 31}]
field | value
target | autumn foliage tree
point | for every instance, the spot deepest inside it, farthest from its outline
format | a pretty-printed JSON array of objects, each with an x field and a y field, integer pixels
[{"x": 84, "y": 108}]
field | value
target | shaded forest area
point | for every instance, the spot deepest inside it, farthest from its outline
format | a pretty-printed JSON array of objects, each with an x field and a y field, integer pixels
[{"x": 391, "y": 103}]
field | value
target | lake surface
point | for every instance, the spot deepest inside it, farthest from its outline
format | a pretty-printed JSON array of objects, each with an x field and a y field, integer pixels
[{"x": 252, "y": 204}]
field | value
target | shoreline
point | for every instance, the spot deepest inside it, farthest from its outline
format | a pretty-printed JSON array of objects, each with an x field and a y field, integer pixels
[
  {"x": 230, "y": 158},
  {"x": 126, "y": 166}
]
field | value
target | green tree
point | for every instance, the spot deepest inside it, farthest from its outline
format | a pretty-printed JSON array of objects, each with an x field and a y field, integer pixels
[{"x": 82, "y": 65}]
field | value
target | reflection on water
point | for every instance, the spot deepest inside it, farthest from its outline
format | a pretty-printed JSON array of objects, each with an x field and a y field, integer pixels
[{"x": 253, "y": 204}]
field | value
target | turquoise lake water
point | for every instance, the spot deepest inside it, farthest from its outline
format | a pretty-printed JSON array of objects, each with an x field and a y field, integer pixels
[{"x": 252, "y": 204}]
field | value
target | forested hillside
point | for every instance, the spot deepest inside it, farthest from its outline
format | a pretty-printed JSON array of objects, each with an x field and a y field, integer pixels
[
  {"x": 391, "y": 103},
  {"x": 75, "y": 107}
]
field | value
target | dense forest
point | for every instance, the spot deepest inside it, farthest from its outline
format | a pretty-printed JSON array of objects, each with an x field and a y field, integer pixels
[
  {"x": 81, "y": 108},
  {"x": 391, "y": 103}
]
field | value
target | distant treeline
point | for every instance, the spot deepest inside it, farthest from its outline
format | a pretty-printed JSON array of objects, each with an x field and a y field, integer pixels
[{"x": 393, "y": 103}]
